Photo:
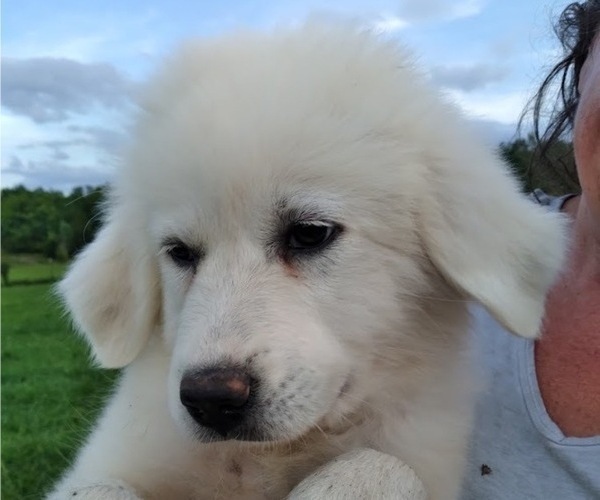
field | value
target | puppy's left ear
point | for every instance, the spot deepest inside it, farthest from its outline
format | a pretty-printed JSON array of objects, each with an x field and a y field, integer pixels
[{"x": 491, "y": 242}]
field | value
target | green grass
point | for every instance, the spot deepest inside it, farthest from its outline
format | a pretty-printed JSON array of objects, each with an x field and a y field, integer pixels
[
  {"x": 50, "y": 395},
  {"x": 32, "y": 268},
  {"x": 39, "y": 271}
]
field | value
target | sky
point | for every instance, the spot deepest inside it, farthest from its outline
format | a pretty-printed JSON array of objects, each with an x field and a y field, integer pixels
[{"x": 70, "y": 69}]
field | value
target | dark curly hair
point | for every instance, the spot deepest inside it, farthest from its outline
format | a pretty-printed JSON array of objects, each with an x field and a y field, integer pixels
[{"x": 576, "y": 29}]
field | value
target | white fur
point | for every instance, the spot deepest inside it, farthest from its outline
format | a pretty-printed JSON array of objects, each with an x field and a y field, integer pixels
[{"x": 361, "y": 346}]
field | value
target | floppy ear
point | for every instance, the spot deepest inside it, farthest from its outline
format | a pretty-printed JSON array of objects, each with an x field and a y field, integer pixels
[
  {"x": 112, "y": 291},
  {"x": 491, "y": 242}
]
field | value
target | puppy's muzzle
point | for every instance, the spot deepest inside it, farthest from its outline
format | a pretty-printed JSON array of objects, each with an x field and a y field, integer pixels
[{"x": 216, "y": 398}]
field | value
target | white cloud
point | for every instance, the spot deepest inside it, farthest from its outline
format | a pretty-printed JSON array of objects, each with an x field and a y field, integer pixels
[
  {"x": 492, "y": 132},
  {"x": 466, "y": 8},
  {"x": 17, "y": 130},
  {"x": 468, "y": 77},
  {"x": 386, "y": 24},
  {"x": 502, "y": 108},
  {"x": 80, "y": 148},
  {"x": 49, "y": 89},
  {"x": 79, "y": 48},
  {"x": 439, "y": 10},
  {"x": 53, "y": 174}
]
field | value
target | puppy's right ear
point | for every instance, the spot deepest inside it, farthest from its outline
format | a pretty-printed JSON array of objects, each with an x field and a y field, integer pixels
[{"x": 112, "y": 291}]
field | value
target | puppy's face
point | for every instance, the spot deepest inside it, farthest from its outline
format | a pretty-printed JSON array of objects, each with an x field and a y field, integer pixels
[
  {"x": 279, "y": 291},
  {"x": 291, "y": 206}
]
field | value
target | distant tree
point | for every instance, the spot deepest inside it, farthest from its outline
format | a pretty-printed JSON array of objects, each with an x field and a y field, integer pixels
[
  {"x": 48, "y": 222},
  {"x": 82, "y": 214},
  {"x": 5, "y": 268},
  {"x": 65, "y": 236},
  {"x": 519, "y": 154},
  {"x": 533, "y": 172}
]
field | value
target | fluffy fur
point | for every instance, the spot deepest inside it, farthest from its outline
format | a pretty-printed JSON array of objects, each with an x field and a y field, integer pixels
[{"x": 360, "y": 345}]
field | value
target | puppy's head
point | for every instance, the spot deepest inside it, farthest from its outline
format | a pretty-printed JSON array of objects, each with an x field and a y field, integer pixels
[{"x": 290, "y": 204}]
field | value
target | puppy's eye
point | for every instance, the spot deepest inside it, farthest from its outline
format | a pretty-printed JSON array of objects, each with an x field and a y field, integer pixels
[
  {"x": 182, "y": 255},
  {"x": 306, "y": 236}
]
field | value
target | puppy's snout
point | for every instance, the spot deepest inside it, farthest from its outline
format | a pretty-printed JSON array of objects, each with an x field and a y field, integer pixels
[{"x": 216, "y": 398}]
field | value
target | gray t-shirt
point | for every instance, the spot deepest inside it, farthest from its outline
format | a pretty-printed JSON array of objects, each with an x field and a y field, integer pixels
[{"x": 517, "y": 452}]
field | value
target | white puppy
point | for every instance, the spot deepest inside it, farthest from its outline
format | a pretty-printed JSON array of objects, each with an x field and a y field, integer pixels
[{"x": 284, "y": 272}]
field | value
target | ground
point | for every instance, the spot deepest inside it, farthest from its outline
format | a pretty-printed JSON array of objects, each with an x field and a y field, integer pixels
[{"x": 50, "y": 393}]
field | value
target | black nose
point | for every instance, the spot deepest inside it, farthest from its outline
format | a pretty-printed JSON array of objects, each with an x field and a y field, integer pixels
[{"x": 216, "y": 397}]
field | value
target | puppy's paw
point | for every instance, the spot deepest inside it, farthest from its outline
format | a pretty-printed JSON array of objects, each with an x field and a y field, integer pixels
[
  {"x": 361, "y": 474},
  {"x": 105, "y": 491}
]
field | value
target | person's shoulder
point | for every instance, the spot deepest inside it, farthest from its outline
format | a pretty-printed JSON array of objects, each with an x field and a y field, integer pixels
[{"x": 489, "y": 337}]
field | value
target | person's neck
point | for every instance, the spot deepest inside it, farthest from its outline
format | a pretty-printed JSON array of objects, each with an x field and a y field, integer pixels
[{"x": 584, "y": 256}]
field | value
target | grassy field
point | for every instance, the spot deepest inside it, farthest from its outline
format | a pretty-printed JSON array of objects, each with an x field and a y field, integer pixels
[
  {"x": 30, "y": 269},
  {"x": 39, "y": 271},
  {"x": 50, "y": 395}
]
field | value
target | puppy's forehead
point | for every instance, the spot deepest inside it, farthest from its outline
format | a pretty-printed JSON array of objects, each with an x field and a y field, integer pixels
[
  {"x": 326, "y": 66},
  {"x": 331, "y": 110}
]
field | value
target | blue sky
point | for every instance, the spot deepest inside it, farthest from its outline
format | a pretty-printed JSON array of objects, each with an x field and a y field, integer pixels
[{"x": 70, "y": 68}]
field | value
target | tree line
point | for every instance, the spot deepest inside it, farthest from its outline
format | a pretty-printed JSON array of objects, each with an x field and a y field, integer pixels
[
  {"x": 57, "y": 225},
  {"x": 554, "y": 173},
  {"x": 49, "y": 223}
]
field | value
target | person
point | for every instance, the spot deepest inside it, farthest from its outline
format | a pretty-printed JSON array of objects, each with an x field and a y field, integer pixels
[{"x": 537, "y": 425}]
